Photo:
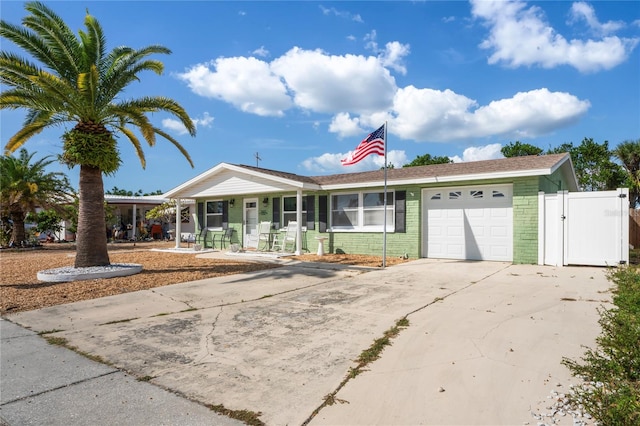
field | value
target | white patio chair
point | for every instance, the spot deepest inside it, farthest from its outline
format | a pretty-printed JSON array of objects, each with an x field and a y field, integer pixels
[
  {"x": 264, "y": 235},
  {"x": 290, "y": 236}
]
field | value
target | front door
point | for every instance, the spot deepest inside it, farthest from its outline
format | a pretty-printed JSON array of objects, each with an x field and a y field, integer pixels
[{"x": 250, "y": 221}]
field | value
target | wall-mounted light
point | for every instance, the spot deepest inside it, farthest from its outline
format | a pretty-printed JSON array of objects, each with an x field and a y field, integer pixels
[
  {"x": 232, "y": 202},
  {"x": 265, "y": 202}
]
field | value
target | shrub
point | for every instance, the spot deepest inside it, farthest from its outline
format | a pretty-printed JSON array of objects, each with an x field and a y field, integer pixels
[{"x": 611, "y": 371}]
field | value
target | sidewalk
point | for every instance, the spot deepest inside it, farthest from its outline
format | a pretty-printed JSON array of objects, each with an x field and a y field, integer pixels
[{"x": 44, "y": 384}]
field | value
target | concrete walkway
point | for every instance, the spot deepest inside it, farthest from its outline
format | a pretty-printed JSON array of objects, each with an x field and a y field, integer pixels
[{"x": 484, "y": 344}]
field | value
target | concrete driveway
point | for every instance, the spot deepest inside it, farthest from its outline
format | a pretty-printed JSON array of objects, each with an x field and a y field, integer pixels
[{"x": 483, "y": 346}]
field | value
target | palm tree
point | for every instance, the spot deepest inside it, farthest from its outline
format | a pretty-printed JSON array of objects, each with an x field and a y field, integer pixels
[
  {"x": 628, "y": 152},
  {"x": 25, "y": 185},
  {"x": 80, "y": 83}
]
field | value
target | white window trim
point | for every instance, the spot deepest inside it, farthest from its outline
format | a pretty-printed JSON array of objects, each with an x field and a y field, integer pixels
[
  {"x": 282, "y": 211},
  {"x": 361, "y": 228}
]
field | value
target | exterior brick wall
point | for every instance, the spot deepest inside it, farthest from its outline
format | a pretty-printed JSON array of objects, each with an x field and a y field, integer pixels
[{"x": 525, "y": 220}]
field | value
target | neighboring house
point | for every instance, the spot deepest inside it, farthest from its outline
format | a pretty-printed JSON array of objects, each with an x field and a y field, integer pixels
[
  {"x": 125, "y": 208},
  {"x": 475, "y": 210}
]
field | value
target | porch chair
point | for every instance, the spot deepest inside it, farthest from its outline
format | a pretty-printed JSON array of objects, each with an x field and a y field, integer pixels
[
  {"x": 202, "y": 237},
  {"x": 264, "y": 235},
  {"x": 225, "y": 237},
  {"x": 289, "y": 238}
]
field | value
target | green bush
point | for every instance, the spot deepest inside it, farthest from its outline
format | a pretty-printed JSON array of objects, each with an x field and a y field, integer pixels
[{"x": 611, "y": 371}]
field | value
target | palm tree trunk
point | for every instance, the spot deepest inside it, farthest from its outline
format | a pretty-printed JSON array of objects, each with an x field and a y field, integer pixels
[
  {"x": 17, "y": 231},
  {"x": 91, "y": 239}
]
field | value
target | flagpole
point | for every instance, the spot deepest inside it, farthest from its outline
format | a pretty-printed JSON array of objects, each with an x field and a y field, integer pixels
[{"x": 384, "y": 231}]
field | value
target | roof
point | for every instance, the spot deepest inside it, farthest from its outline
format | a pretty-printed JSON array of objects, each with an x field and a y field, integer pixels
[
  {"x": 504, "y": 167},
  {"x": 542, "y": 165}
]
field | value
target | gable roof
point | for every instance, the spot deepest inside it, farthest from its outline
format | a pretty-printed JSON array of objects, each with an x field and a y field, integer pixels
[{"x": 542, "y": 165}]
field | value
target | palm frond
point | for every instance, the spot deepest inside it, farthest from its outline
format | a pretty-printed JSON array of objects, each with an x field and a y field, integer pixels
[
  {"x": 136, "y": 144},
  {"x": 15, "y": 71},
  {"x": 57, "y": 36},
  {"x": 176, "y": 144},
  {"x": 26, "y": 132}
]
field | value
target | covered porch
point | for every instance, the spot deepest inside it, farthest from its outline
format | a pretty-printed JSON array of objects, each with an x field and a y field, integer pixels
[{"x": 241, "y": 208}]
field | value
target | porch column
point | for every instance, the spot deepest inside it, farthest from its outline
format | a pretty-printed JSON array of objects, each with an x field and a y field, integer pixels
[
  {"x": 299, "y": 220},
  {"x": 178, "y": 222},
  {"x": 135, "y": 223}
]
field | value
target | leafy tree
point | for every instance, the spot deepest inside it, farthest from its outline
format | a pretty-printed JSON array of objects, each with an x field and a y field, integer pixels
[
  {"x": 164, "y": 212},
  {"x": 25, "y": 185},
  {"x": 79, "y": 82},
  {"x": 519, "y": 149},
  {"x": 426, "y": 159},
  {"x": 628, "y": 152},
  {"x": 47, "y": 220},
  {"x": 593, "y": 165}
]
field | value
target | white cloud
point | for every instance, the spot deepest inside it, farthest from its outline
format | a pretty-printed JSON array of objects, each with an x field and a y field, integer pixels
[
  {"x": 261, "y": 51},
  {"x": 246, "y": 83},
  {"x": 178, "y": 127},
  {"x": 521, "y": 36},
  {"x": 205, "y": 121},
  {"x": 441, "y": 116},
  {"x": 174, "y": 125},
  {"x": 329, "y": 83},
  {"x": 361, "y": 94},
  {"x": 478, "y": 153},
  {"x": 344, "y": 125},
  {"x": 393, "y": 55},
  {"x": 340, "y": 13},
  {"x": 330, "y": 163},
  {"x": 583, "y": 11}
]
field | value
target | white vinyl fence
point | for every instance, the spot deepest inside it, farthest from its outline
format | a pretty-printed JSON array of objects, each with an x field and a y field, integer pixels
[{"x": 583, "y": 228}]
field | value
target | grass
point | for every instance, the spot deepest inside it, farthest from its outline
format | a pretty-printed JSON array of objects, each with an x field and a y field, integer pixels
[
  {"x": 120, "y": 321},
  {"x": 248, "y": 417},
  {"x": 61, "y": 341}
]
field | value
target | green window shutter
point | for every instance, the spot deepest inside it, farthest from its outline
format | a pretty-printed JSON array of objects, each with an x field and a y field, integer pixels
[
  {"x": 311, "y": 212},
  {"x": 225, "y": 214},
  {"x": 275, "y": 217},
  {"x": 401, "y": 214},
  {"x": 323, "y": 212},
  {"x": 201, "y": 215}
]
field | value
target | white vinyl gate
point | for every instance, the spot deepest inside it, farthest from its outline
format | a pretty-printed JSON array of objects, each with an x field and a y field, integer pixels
[{"x": 584, "y": 228}]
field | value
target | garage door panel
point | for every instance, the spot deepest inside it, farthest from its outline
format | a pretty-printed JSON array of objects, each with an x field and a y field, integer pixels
[
  {"x": 499, "y": 231},
  {"x": 454, "y": 231},
  {"x": 469, "y": 223}
]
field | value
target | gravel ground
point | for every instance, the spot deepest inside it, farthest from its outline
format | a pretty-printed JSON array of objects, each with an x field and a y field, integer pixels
[{"x": 20, "y": 290}]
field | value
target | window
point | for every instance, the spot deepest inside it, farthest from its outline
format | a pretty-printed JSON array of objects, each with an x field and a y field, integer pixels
[
  {"x": 344, "y": 210},
  {"x": 437, "y": 196},
  {"x": 289, "y": 209},
  {"x": 476, "y": 193},
  {"x": 373, "y": 209},
  {"x": 455, "y": 195},
  {"x": 363, "y": 211},
  {"x": 498, "y": 194},
  {"x": 214, "y": 214}
]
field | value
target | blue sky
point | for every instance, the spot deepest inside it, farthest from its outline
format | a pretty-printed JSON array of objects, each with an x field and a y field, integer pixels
[{"x": 302, "y": 83}]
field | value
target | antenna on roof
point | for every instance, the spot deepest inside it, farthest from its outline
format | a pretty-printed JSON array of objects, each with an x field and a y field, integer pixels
[{"x": 257, "y": 159}]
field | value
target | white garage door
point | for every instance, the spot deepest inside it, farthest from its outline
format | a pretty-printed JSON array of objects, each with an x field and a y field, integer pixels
[{"x": 473, "y": 222}]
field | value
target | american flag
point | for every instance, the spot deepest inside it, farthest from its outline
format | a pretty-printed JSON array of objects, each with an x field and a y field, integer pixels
[{"x": 372, "y": 144}]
